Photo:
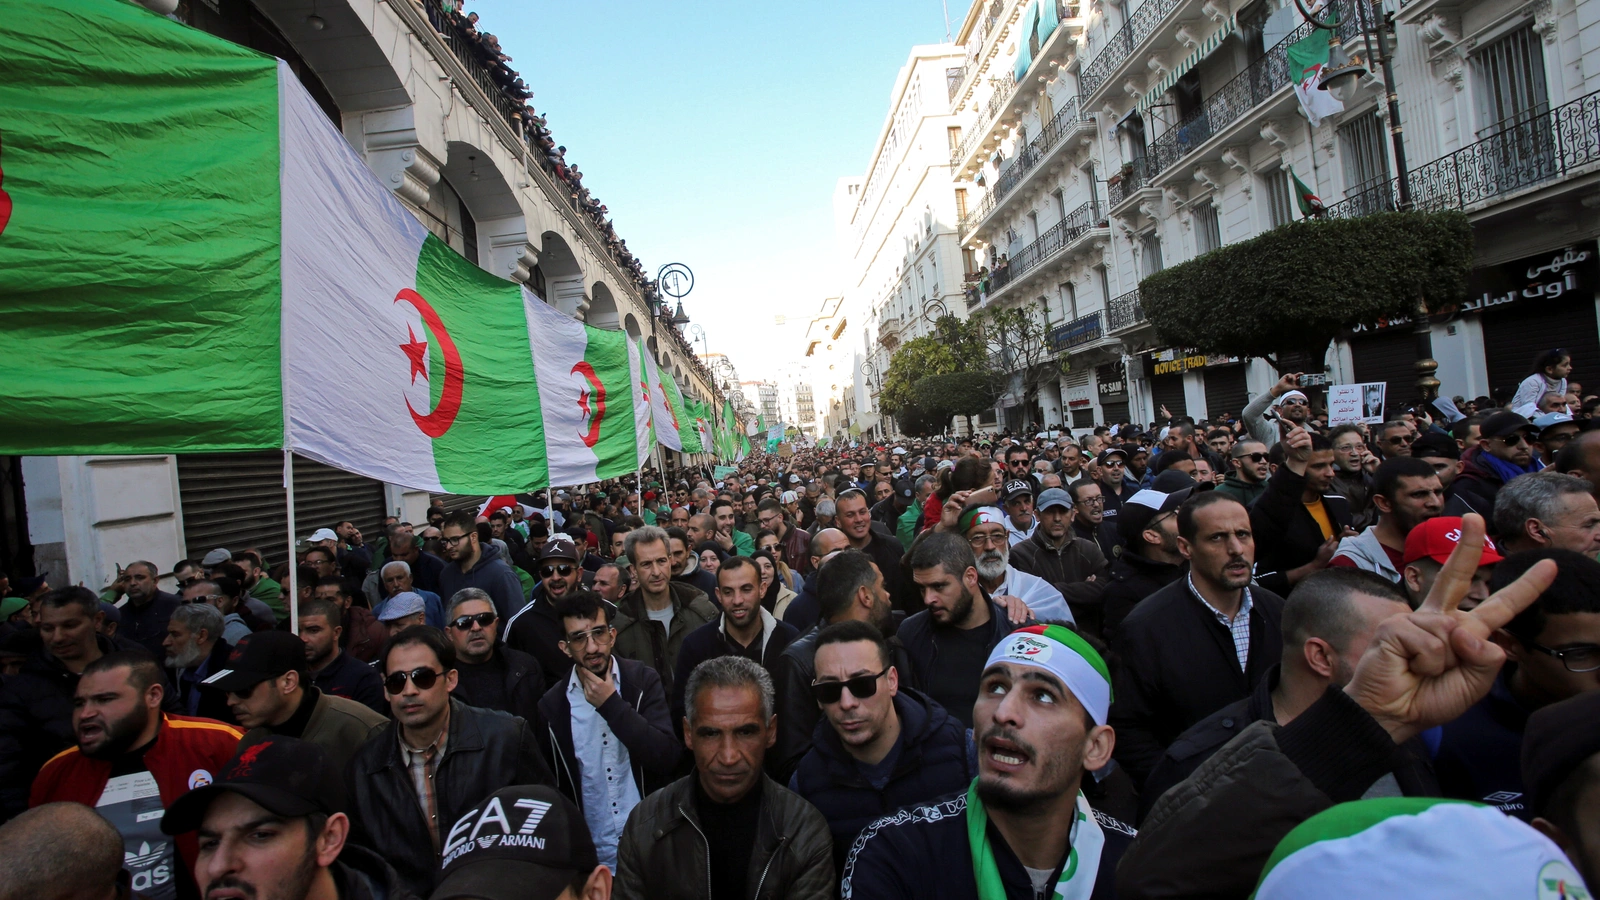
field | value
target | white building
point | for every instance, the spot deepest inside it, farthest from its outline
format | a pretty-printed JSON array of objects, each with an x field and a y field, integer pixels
[
  {"x": 1101, "y": 141},
  {"x": 408, "y": 91},
  {"x": 902, "y": 264}
]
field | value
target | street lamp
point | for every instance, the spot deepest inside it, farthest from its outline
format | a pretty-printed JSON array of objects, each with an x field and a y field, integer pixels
[{"x": 1341, "y": 78}]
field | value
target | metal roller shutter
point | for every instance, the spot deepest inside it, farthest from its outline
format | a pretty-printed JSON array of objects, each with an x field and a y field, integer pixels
[
  {"x": 1116, "y": 412},
  {"x": 1167, "y": 390},
  {"x": 236, "y": 500},
  {"x": 1388, "y": 356},
  {"x": 453, "y": 502},
  {"x": 1514, "y": 338},
  {"x": 1225, "y": 391}
]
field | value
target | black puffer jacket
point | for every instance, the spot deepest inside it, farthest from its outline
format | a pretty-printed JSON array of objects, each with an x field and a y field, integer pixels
[
  {"x": 486, "y": 750},
  {"x": 1077, "y": 569},
  {"x": 933, "y": 762},
  {"x": 664, "y": 855}
]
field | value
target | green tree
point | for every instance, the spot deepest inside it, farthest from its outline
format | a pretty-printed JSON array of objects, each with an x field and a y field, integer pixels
[
  {"x": 1297, "y": 287},
  {"x": 953, "y": 346}
]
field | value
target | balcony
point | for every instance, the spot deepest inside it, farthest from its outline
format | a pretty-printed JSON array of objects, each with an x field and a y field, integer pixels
[
  {"x": 1135, "y": 177},
  {"x": 1140, "y": 25},
  {"x": 1067, "y": 122},
  {"x": 1077, "y": 333},
  {"x": 889, "y": 332},
  {"x": 985, "y": 29},
  {"x": 1125, "y": 312},
  {"x": 1069, "y": 233},
  {"x": 1045, "y": 51},
  {"x": 1260, "y": 82},
  {"x": 495, "y": 80},
  {"x": 1520, "y": 154},
  {"x": 1004, "y": 86}
]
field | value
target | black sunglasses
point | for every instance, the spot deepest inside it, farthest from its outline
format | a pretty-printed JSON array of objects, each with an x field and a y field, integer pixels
[
  {"x": 1512, "y": 439},
  {"x": 861, "y": 687},
  {"x": 1253, "y": 457},
  {"x": 462, "y": 623},
  {"x": 422, "y": 677},
  {"x": 546, "y": 571}
]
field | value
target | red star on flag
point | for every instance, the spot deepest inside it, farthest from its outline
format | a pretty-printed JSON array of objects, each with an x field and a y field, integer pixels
[
  {"x": 417, "y": 351},
  {"x": 583, "y": 402}
]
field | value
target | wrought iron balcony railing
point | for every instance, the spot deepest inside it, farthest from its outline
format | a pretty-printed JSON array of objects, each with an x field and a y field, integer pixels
[
  {"x": 1139, "y": 26},
  {"x": 1059, "y": 235},
  {"x": 1135, "y": 175},
  {"x": 476, "y": 61},
  {"x": 1030, "y": 156},
  {"x": 1125, "y": 311},
  {"x": 1247, "y": 90},
  {"x": 1080, "y": 331},
  {"x": 1526, "y": 151},
  {"x": 1003, "y": 87}
]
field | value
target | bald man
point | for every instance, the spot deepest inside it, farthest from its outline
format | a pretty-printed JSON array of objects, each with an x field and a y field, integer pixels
[{"x": 60, "y": 851}]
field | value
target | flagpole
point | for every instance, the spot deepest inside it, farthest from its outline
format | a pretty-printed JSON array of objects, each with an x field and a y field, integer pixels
[{"x": 294, "y": 568}]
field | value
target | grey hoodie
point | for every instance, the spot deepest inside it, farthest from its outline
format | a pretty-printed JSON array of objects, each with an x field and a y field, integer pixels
[{"x": 1367, "y": 552}]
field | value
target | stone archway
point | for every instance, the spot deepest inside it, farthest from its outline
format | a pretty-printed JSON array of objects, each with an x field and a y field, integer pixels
[
  {"x": 562, "y": 275},
  {"x": 602, "y": 311}
]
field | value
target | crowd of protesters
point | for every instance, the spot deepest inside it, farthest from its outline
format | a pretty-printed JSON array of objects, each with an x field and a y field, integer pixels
[{"x": 1253, "y": 656}]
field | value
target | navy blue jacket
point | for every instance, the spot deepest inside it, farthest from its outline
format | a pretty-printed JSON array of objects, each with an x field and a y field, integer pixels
[
  {"x": 933, "y": 761},
  {"x": 921, "y": 640},
  {"x": 805, "y": 610},
  {"x": 924, "y": 852},
  {"x": 353, "y": 679},
  {"x": 709, "y": 641},
  {"x": 1480, "y": 753}
]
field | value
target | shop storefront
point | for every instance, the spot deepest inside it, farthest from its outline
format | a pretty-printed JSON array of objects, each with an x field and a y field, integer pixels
[
  {"x": 1535, "y": 304},
  {"x": 1198, "y": 385},
  {"x": 1111, "y": 390}
]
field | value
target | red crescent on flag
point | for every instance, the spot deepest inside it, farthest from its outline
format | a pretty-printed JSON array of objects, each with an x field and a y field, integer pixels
[
  {"x": 592, "y": 436},
  {"x": 5, "y": 203},
  {"x": 671, "y": 413},
  {"x": 436, "y": 423}
]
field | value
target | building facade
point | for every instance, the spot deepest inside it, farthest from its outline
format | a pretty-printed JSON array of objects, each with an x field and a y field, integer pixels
[
  {"x": 1102, "y": 141},
  {"x": 420, "y": 94},
  {"x": 901, "y": 262}
]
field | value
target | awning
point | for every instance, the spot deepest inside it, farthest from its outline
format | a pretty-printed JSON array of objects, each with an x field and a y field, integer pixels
[
  {"x": 1030, "y": 21},
  {"x": 1153, "y": 96}
]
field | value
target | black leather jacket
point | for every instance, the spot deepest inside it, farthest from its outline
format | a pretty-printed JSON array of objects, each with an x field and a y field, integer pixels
[
  {"x": 664, "y": 854},
  {"x": 486, "y": 750}
]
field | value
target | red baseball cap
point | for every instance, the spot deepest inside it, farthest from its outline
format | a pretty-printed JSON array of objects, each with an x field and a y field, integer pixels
[{"x": 1437, "y": 537}]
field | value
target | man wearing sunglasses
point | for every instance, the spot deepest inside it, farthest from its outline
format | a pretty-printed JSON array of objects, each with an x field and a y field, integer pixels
[
  {"x": 606, "y": 728},
  {"x": 491, "y": 675},
  {"x": 1504, "y": 452},
  {"x": 438, "y": 759},
  {"x": 1248, "y": 472},
  {"x": 1552, "y": 653},
  {"x": 1291, "y": 405},
  {"x": 270, "y": 693},
  {"x": 471, "y": 564},
  {"x": 535, "y": 629},
  {"x": 886, "y": 746}
]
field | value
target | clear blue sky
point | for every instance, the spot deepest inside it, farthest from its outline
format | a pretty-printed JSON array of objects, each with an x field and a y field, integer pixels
[{"x": 715, "y": 131}]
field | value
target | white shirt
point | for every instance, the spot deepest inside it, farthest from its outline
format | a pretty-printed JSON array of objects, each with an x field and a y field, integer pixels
[
  {"x": 1017, "y": 534},
  {"x": 1041, "y": 596},
  {"x": 605, "y": 770}
]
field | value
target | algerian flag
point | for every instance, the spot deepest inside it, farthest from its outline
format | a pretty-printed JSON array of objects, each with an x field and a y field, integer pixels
[
  {"x": 681, "y": 416},
  {"x": 756, "y": 427},
  {"x": 701, "y": 415},
  {"x": 1310, "y": 203},
  {"x": 662, "y": 414},
  {"x": 588, "y": 390},
  {"x": 644, "y": 435},
  {"x": 1307, "y": 58},
  {"x": 192, "y": 258}
]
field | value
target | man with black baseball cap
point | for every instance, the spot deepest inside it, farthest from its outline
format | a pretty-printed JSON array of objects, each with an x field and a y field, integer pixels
[
  {"x": 1115, "y": 485},
  {"x": 1504, "y": 451},
  {"x": 272, "y": 826},
  {"x": 271, "y": 695},
  {"x": 526, "y": 842},
  {"x": 1150, "y": 560}
]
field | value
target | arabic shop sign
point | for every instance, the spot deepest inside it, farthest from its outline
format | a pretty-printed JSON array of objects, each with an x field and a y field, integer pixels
[
  {"x": 1571, "y": 272},
  {"x": 1075, "y": 333},
  {"x": 1176, "y": 362}
]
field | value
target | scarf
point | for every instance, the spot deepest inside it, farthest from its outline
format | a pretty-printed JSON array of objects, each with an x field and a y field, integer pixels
[
  {"x": 1508, "y": 471},
  {"x": 1083, "y": 854}
]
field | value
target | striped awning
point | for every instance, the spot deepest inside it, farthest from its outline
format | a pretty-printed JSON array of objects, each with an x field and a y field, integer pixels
[{"x": 1153, "y": 96}]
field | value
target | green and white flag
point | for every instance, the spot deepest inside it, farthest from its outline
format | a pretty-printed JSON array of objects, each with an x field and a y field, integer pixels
[
  {"x": 662, "y": 414},
  {"x": 681, "y": 416},
  {"x": 303, "y": 306},
  {"x": 1307, "y": 58}
]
